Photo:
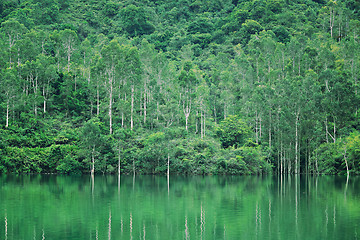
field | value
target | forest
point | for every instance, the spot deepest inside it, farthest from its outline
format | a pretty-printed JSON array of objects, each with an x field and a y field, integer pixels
[{"x": 186, "y": 86}]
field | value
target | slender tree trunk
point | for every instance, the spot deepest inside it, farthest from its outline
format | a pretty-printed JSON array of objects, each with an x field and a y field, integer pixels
[
  {"x": 204, "y": 124},
  {"x": 93, "y": 161},
  {"x": 132, "y": 108},
  {"x": 44, "y": 95},
  {"x": 97, "y": 101},
  {"x": 270, "y": 129},
  {"x": 35, "y": 94},
  {"x": 334, "y": 131},
  {"x": 119, "y": 162},
  {"x": 328, "y": 133},
  {"x": 196, "y": 122},
  {"x": 296, "y": 142},
  {"x": 215, "y": 118},
  {"x": 186, "y": 110},
  {"x": 260, "y": 129},
  {"x": 168, "y": 165},
  {"x": 157, "y": 111},
  {"x": 144, "y": 107},
  {"x": 7, "y": 113},
  {"x": 68, "y": 55},
  {"x": 110, "y": 103},
  {"x": 122, "y": 119},
  {"x": 10, "y": 46},
  {"x": 332, "y": 19},
  {"x": 201, "y": 125},
  {"x": 346, "y": 163}
]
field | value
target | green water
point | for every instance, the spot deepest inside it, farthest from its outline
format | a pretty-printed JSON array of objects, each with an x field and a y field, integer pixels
[{"x": 151, "y": 207}]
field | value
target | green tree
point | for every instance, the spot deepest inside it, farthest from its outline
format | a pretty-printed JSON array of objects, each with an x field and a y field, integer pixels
[
  {"x": 233, "y": 131},
  {"x": 135, "y": 21},
  {"x": 13, "y": 30},
  {"x": 92, "y": 141}
]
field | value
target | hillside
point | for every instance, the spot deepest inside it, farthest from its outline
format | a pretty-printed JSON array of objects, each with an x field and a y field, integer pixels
[{"x": 204, "y": 87}]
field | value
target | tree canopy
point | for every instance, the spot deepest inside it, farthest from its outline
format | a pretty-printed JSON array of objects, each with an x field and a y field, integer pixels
[{"x": 109, "y": 86}]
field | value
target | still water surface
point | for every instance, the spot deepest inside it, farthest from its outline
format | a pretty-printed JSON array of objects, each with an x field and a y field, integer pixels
[{"x": 151, "y": 207}]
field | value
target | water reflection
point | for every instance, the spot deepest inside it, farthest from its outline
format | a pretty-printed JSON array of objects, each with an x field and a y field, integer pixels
[{"x": 149, "y": 207}]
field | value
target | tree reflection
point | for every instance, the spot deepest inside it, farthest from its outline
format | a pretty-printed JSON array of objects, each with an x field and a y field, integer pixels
[{"x": 280, "y": 207}]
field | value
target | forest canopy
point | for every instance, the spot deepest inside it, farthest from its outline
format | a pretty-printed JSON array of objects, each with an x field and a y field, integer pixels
[{"x": 204, "y": 87}]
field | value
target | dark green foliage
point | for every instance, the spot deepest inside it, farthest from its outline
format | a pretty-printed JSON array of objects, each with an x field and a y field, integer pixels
[
  {"x": 135, "y": 21},
  {"x": 233, "y": 132},
  {"x": 171, "y": 78}
]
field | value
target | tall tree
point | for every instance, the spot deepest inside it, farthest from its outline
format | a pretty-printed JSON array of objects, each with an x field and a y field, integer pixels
[
  {"x": 69, "y": 40},
  {"x": 111, "y": 54},
  {"x": 13, "y": 31}
]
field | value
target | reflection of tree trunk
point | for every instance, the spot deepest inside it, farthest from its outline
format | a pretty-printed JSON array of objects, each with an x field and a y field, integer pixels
[
  {"x": 131, "y": 228},
  {"x": 109, "y": 230},
  {"x": 6, "y": 226},
  {"x": 346, "y": 186},
  {"x": 92, "y": 185},
  {"x": 144, "y": 231},
  {"x": 187, "y": 234},
  {"x": 202, "y": 222},
  {"x": 296, "y": 202}
]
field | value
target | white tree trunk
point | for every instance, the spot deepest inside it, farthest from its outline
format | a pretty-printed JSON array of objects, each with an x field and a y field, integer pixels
[
  {"x": 93, "y": 161},
  {"x": 132, "y": 108},
  {"x": 7, "y": 113},
  {"x": 110, "y": 103},
  {"x": 168, "y": 165},
  {"x": 119, "y": 163},
  {"x": 346, "y": 163},
  {"x": 97, "y": 101},
  {"x": 296, "y": 143}
]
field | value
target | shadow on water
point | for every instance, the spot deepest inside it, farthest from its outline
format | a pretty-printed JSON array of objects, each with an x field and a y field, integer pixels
[{"x": 179, "y": 207}]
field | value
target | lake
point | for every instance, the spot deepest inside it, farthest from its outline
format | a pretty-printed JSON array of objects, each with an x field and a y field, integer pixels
[{"x": 195, "y": 207}]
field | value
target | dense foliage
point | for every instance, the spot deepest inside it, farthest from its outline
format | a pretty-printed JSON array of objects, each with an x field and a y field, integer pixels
[{"x": 206, "y": 87}]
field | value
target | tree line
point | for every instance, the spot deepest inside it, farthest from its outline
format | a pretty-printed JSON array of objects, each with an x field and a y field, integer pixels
[{"x": 199, "y": 87}]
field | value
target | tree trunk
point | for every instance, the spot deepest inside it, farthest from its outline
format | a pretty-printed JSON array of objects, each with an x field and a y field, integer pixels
[
  {"x": 201, "y": 124},
  {"x": 119, "y": 163},
  {"x": 122, "y": 119},
  {"x": 270, "y": 129},
  {"x": 332, "y": 18},
  {"x": 97, "y": 101},
  {"x": 296, "y": 143},
  {"x": 145, "y": 92},
  {"x": 186, "y": 110},
  {"x": 346, "y": 163},
  {"x": 168, "y": 165},
  {"x": 110, "y": 102},
  {"x": 7, "y": 113},
  {"x": 204, "y": 124},
  {"x": 93, "y": 161},
  {"x": 68, "y": 55},
  {"x": 132, "y": 108}
]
